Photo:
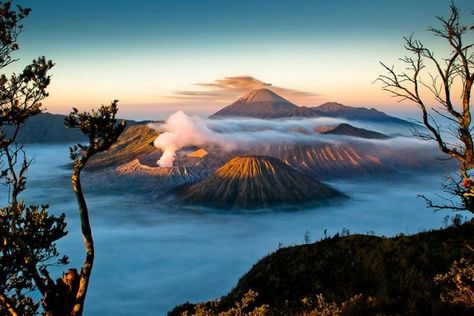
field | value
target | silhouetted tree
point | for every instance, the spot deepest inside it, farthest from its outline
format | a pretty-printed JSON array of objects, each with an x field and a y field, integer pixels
[
  {"x": 456, "y": 68},
  {"x": 28, "y": 232},
  {"x": 102, "y": 130}
]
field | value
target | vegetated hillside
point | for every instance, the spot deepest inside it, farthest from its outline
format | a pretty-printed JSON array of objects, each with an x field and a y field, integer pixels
[
  {"x": 349, "y": 130},
  {"x": 135, "y": 142},
  {"x": 46, "y": 128},
  {"x": 251, "y": 182},
  {"x": 397, "y": 272}
]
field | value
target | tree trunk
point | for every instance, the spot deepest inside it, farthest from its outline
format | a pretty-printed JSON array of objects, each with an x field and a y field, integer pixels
[
  {"x": 6, "y": 303},
  {"x": 68, "y": 294},
  {"x": 88, "y": 242}
]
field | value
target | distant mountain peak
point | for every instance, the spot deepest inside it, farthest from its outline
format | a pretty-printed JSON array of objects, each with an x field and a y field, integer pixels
[
  {"x": 261, "y": 95},
  {"x": 260, "y": 103}
]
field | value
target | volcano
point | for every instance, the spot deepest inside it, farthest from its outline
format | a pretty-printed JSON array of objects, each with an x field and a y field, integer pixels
[
  {"x": 135, "y": 142},
  {"x": 264, "y": 104},
  {"x": 349, "y": 130},
  {"x": 252, "y": 182}
]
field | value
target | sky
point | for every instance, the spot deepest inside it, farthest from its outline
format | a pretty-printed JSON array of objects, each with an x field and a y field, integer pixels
[{"x": 161, "y": 56}]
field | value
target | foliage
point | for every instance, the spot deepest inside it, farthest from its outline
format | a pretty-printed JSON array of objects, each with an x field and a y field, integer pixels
[
  {"x": 27, "y": 252},
  {"x": 27, "y": 232},
  {"x": 458, "y": 283},
  {"x": 355, "y": 305},
  {"x": 306, "y": 307},
  {"x": 101, "y": 128},
  {"x": 241, "y": 308},
  {"x": 456, "y": 68},
  {"x": 9, "y": 30}
]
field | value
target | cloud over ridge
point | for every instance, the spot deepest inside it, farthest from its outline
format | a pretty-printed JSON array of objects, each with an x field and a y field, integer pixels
[{"x": 181, "y": 130}]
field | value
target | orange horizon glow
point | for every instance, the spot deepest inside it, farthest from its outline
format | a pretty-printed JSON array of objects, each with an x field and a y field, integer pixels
[{"x": 164, "y": 102}]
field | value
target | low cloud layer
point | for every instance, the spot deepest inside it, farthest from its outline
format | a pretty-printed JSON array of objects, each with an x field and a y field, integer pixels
[{"x": 181, "y": 130}]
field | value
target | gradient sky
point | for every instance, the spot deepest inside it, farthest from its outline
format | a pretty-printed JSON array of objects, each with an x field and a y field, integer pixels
[{"x": 160, "y": 56}]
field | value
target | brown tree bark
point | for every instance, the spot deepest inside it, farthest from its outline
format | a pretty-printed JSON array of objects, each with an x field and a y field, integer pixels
[
  {"x": 9, "y": 307},
  {"x": 86, "y": 269}
]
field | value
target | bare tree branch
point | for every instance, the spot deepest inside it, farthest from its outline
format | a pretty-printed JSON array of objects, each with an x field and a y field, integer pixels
[{"x": 407, "y": 85}]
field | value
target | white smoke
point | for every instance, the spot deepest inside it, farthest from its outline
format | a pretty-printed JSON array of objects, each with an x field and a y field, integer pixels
[{"x": 181, "y": 130}]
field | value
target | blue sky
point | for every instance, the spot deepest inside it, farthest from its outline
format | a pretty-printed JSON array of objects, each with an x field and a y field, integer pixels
[{"x": 146, "y": 53}]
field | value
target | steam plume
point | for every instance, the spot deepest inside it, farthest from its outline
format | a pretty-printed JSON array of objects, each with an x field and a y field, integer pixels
[{"x": 182, "y": 130}]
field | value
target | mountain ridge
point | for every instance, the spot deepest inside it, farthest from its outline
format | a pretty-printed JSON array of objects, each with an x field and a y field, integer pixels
[
  {"x": 45, "y": 128},
  {"x": 338, "y": 110},
  {"x": 48, "y": 128},
  {"x": 266, "y": 104}
]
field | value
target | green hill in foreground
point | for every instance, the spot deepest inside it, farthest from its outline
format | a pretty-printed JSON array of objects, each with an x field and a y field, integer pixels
[{"x": 397, "y": 273}]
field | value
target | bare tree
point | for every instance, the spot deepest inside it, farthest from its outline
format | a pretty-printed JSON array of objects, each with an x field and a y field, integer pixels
[{"x": 451, "y": 71}]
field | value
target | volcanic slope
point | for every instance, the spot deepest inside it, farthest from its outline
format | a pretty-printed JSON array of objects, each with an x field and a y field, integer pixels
[
  {"x": 135, "y": 142},
  {"x": 252, "y": 182},
  {"x": 264, "y": 104}
]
